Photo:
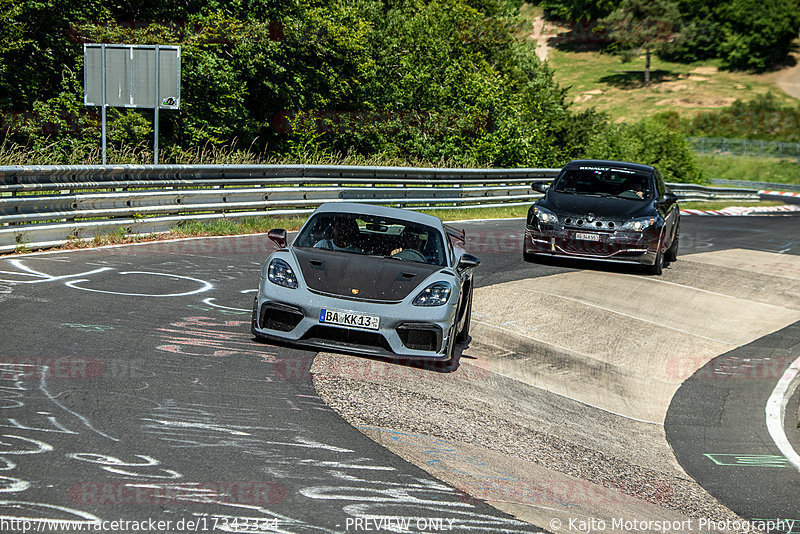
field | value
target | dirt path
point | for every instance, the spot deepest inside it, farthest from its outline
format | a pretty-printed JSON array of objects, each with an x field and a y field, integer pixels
[
  {"x": 789, "y": 81},
  {"x": 540, "y": 37}
]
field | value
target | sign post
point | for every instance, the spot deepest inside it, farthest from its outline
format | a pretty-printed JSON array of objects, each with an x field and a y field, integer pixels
[{"x": 132, "y": 76}]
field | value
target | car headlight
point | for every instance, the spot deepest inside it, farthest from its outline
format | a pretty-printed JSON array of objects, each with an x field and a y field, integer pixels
[
  {"x": 640, "y": 224},
  {"x": 545, "y": 216},
  {"x": 281, "y": 274},
  {"x": 435, "y": 294}
]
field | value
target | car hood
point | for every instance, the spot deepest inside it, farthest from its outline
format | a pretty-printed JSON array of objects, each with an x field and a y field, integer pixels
[
  {"x": 604, "y": 207},
  {"x": 375, "y": 278}
]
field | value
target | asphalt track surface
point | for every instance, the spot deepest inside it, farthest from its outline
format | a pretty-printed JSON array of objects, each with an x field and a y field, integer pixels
[
  {"x": 716, "y": 423},
  {"x": 131, "y": 390}
]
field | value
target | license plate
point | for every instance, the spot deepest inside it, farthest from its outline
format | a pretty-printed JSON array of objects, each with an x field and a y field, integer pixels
[
  {"x": 345, "y": 318},
  {"x": 587, "y": 237}
]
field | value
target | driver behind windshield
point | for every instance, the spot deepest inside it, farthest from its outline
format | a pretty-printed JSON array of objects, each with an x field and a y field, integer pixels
[
  {"x": 343, "y": 232},
  {"x": 603, "y": 183}
]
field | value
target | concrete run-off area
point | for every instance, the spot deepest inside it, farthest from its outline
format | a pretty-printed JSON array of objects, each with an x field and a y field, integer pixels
[{"x": 556, "y": 413}]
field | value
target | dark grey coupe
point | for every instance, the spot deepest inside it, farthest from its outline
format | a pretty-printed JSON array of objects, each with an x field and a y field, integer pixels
[
  {"x": 605, "y": 210},
  {"x": 370, "y": 280}
]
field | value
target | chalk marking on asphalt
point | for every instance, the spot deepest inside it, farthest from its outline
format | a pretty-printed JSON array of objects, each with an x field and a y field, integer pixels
[
  {"x": 776, "y": 404},
  {"x": 206, "y": 286},
  {"x": 631, "y": 316},
  {"x": 86, "y": 422},
  {"x": 561, "y": 394},
  {"x": 45, "y": 277},
  {"x": 210, "y": 303}
]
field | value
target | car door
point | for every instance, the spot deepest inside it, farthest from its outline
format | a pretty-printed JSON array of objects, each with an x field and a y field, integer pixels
[{"x": 668, "y": 209}]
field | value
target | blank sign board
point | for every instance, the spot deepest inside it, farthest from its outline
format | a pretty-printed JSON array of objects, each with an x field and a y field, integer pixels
[{"x": 130, "y": 73}]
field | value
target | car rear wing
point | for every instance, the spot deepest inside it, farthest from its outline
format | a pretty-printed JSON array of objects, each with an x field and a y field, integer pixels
[{"x": 454, "y": 233}]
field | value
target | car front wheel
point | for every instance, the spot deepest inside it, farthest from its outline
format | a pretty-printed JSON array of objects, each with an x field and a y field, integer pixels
[
  {"x": 672, "y": 251},
  {"x": 463, "y": 334},
  {"x": 658, "y": 266}
]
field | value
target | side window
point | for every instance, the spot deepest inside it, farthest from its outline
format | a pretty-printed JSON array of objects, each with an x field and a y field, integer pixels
[
  {"x": 660, "y": 187},
  {"x": 450, "y": 249}
]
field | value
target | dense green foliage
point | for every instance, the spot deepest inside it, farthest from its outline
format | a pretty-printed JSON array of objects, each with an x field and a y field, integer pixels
[
  {"x": 744, "y": 34},
  {"x": 439, "y": 81},
  {"x": 575, "y": 10},
  {"x": 761, "y": 118},
  {"x": 651, "y": 142}
]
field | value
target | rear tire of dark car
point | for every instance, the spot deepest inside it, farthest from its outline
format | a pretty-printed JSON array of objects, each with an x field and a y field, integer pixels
[
  {"x": 672, "y": 251},
  {"x": 658, "y": 267},
  {"x": 530, "y": 258}
]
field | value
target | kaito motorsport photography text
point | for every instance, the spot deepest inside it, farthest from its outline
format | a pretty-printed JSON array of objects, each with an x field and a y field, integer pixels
[{"x": 705, "y": 525}]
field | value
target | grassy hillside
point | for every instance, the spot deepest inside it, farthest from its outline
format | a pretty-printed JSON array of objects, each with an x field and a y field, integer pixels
[
  {"x": 604, "y": 82},
  {"x": 749, "y": 168}
]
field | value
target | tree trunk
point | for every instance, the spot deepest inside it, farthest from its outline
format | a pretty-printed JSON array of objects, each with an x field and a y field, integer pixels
[{"x": 646, "y": 67}]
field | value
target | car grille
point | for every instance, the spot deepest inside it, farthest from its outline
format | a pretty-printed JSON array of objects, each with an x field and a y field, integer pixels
[
  {"x": 426, "y": 337},
  {"x": 281, "y": 318},
  {"x": 582, "y": 224},
  {"x": 346, "y": 337}
]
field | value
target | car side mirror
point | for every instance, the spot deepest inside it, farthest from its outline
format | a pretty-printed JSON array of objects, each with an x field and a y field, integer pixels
[
  {"x": 468, "y": 261},
  {"x": 541, "y": 187},
  {"x": 278, "y": 235},
  {"x": 669, "y": 198}
]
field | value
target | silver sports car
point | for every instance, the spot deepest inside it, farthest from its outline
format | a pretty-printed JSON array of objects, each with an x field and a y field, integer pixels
[{"x": 370, "y": 280}]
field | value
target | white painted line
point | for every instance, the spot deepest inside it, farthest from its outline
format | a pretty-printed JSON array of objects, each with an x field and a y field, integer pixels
[
  {"x": 487, "y": 220},
  {"x": 776, "y": 405},
  {"x": 700, "y": 290}
]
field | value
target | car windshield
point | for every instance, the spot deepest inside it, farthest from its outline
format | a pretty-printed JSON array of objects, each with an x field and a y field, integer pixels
[
  {"x": 374, "y": 236},
  {"x": 606, "y": 182}
]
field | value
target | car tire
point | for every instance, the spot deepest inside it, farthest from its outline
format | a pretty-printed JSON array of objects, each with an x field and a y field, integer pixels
[
  {"x": 530, "y": 258},
  {"x": 256, "y": 335},
  {"x": 672, "y": 251},
  {"x": 450, "y": 363},
  {"x": 463, "y": 334},
  {"x": 658, "y": 266}
]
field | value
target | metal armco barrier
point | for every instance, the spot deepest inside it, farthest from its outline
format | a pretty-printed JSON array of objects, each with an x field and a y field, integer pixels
[{"x": 44, "y": 206}]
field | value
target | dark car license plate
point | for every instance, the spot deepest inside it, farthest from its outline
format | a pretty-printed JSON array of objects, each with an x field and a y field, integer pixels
[{"x": 587, "y": 237}]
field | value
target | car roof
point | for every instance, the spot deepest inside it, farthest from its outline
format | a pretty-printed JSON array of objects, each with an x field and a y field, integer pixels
[
  {"x": 609, "y": 163},
  {"x": 380, "y": 211}
]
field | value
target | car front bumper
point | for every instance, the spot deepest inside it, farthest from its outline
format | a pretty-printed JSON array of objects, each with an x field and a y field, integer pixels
[
  {"x": 406, "y": 331},
  {"x": 616, "y": 246}
]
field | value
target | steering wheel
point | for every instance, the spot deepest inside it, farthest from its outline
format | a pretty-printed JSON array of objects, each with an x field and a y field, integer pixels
[{"x": 411, "y": 255}]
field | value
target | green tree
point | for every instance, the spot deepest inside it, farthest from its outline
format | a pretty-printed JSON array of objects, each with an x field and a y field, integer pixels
[
  {"x": 758, "y": 33},
  {"x": 648, "y": 25},
  {"x": 651, "y": 142}
]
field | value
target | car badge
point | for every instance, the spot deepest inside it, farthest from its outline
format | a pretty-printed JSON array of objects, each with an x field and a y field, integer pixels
[
  {"x": 354, "y": 291},
  {"x": 590, "y": 218}
]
